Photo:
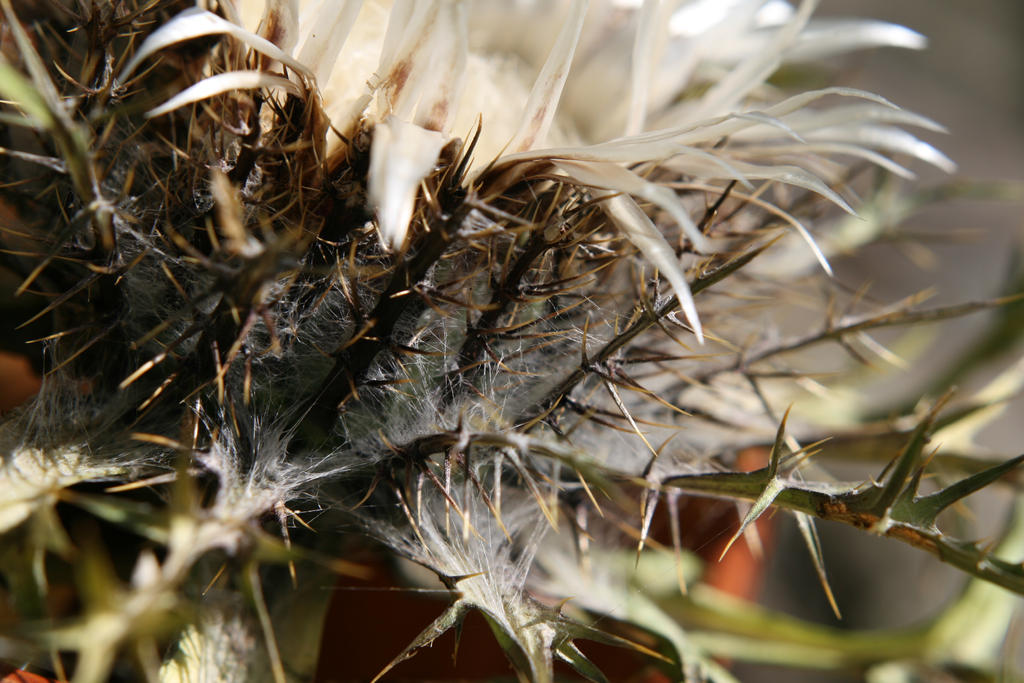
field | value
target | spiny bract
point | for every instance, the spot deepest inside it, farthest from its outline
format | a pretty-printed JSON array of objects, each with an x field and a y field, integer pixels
[{"x": 484, "y": 282}]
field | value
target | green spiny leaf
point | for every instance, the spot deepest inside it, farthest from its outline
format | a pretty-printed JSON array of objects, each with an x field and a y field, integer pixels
[
  {"x": 451, "y": 618},
  {"x": 899, "y": 471},
  {"x": 15, "y": 87},
  {"x": 928, "y": 507},
  {"x": 772, "y": 488},
  {"x": 809, "y": 533},
  {"x": 569, "y": 653}
]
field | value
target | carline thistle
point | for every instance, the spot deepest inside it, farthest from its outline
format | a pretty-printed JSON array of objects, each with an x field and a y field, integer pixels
[{"x": 485, "y": 288}]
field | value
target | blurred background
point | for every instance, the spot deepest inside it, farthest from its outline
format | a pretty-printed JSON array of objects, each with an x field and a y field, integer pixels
[{"x": 971, "y": 80}]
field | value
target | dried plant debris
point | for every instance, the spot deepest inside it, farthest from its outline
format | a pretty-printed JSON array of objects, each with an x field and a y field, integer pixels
[{"x": 484, "y": 286}]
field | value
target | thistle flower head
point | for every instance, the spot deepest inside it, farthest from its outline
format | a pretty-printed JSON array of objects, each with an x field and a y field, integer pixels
[{"x": 437, "y": 74}]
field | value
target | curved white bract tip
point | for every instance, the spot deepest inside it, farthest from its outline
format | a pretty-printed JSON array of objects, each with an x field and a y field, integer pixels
[
  {"x": 401, "y": 156},
  {"x": 642, "y": 232},
  {"x": 223, "y": 83},
  {"x": 196, "y": 23}
]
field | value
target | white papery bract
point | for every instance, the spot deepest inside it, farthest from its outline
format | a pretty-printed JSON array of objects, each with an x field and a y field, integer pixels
[{"x": 550, "y": 81}]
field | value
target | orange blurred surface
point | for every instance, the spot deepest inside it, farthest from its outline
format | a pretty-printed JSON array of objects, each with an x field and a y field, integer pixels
[{"x": 18, "y": 381}]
